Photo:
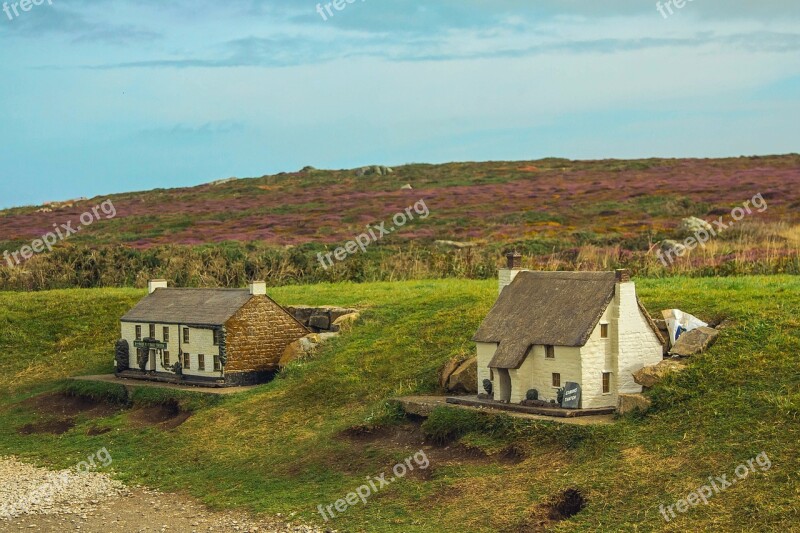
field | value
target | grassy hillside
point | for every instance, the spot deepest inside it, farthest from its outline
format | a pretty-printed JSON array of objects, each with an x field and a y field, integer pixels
[
  {"x": 561, "y": 213},
  {"x": 318, "y": 431}
]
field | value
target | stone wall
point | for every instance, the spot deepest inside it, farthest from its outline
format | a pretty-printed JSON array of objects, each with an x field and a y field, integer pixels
[
  {"x": 257, "y": 335},
  {"x": 319, "y": 319}
]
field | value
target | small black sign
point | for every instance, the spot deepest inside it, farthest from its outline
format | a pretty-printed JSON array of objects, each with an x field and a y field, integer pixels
[{"x": 572, "y": 396}]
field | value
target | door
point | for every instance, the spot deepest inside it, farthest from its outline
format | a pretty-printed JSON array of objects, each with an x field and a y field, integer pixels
[
  {"x": 152, "y": 360},
  {"x": 503, "y": 385}
]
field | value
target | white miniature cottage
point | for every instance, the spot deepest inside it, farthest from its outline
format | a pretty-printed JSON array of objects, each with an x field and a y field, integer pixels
[
  {"x": 214, "y": 337},
  {"x": 550, "y": 328}
]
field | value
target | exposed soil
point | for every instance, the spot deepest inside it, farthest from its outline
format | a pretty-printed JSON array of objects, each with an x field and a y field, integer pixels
[
  {"x": 561, "y": 506},
  {"x": 165, "y": 417},
  {"x": 410, "y": 437},
  {"x": 94, "y": 431},
  {"x": 67, "y": 406},
  {"x": 56, "y": 426}
]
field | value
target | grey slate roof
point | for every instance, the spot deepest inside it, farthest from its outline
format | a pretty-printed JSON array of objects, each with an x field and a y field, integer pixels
[
  {"x": 205, "y": 307},
  {"x": 545, "y": 308}
]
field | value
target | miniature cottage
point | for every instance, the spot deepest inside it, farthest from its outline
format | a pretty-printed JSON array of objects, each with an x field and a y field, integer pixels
[
  {"x": 550, "y": 328},
  {"x": 216, "y": 337}
]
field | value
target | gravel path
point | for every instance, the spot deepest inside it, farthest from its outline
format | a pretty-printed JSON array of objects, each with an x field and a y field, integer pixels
[{"x": 37, "y": 499}]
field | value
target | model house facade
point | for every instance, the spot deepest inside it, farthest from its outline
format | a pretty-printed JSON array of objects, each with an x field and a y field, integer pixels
[
  {"x": 548, "y": 329},
  {"x": 205, "y": 336}
]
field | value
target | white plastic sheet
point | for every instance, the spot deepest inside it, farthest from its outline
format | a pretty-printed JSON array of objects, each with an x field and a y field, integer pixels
[{"x": 679, "y": 323}]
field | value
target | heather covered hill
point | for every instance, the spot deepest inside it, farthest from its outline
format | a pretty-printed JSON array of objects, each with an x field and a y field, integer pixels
[{"x": 561, "y": 213}]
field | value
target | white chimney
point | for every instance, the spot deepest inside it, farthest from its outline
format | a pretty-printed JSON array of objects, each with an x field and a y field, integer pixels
[
  {"x": 154, "y": 284},
  {"x": 258, "y": 288},
  {"x": 513, "y": 267}
]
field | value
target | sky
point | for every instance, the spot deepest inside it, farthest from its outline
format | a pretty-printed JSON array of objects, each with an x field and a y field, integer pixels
[{"x": 119, "y": 95}]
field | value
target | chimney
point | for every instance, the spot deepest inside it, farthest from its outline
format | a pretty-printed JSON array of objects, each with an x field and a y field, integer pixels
[
  {"x": 623, "y": 275},
  {"x": 513, "y": 267},
  {"x": 154, "y": 284},
  {"x": 258, "y": 288},
  {"x": 514, "y": 260}
]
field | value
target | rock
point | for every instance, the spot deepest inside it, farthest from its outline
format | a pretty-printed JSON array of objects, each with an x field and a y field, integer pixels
[
  {"x": 465, "y": 377},
  {"x": 628, "y": 403},
  {"x": 301, "y": 312},
  {"x": 406, "y": 187},
  {"x": 320, "y": 320},
  {"x": 650, "y": 375},
  {"x": 291, "y": 353},
  {"x": 337, "y": 312},
  {"x": 692, "y": 225},
  {"x": 668, "y": 245},
  {"x": 299, "y": 349},
  {"x": 378, "y": 170},
  {"x": 695, "y": 341},
  {"x": 455, "y": 244},
  {"x": 447, "y": 371},
  {"x": 345, "y": 322},
  {"x": 327, "y": 335}
]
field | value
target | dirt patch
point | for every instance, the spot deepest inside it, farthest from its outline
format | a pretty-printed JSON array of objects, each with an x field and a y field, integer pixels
[
  {"x": 64, "y": 405},
  {"x": 167, "y": 416},
  {"x": 55, "y": 426},
  {"x": 94, "y": 431},
  {"x": 561, "y": 506},
  {"x": 410, "y": 437},
  {"x": 513, "y": 455}
]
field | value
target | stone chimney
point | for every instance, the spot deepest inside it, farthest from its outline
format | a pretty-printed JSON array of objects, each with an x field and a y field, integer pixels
[
  {"x": 513, "y": 267},
  {"x": 258, "y": 288},
  {"x": 154, "y": 284},
  {"x": 623, "y": 275}
]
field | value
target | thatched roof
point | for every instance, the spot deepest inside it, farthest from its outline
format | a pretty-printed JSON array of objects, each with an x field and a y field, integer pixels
[
  {"x": 200, "y": 307},
  {"x": 545, "y": 308}
]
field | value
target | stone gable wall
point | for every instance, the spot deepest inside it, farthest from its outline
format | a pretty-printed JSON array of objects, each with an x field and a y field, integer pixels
[{"x": 257, "y": 335}]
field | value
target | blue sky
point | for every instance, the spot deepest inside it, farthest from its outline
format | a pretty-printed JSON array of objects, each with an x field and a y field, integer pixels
[{"x": 111, "y": 96}]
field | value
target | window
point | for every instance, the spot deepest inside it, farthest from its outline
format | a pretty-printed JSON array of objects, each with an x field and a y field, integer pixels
[
  {"x": 166, "y": 334},
  {"x": 186, "y": 335},
  {"x": 152, "y": 331},
  {"x": 201, "y": 362},
  {"x": 606, "y": 382},
  {"x": 166, "y": 359},
  {"x": 217, "y": 364},
  {"x": 556, "y": 380},
  {"x": 550, "y": 352},
  {"x": 216, "y": 337},
  {"x": 604, "y": 331},
  {"x": 186, "y": 360},
  {"x": 138, "y": 333}
]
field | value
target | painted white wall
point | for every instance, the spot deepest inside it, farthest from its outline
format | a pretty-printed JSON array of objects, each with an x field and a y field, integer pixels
[
  {"x": 599, "y": 355},
  {"x": 485, "y": 353},
  {"x": 201, "y": 341},
  {"x": 638, "y": 344}
]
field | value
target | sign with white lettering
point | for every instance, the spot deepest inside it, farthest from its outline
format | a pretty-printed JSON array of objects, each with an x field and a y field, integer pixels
[{"x": 572, "y": 396}]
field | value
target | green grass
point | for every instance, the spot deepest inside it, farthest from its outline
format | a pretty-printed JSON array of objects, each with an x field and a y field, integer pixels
[{"x": 278, "y": 448}]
